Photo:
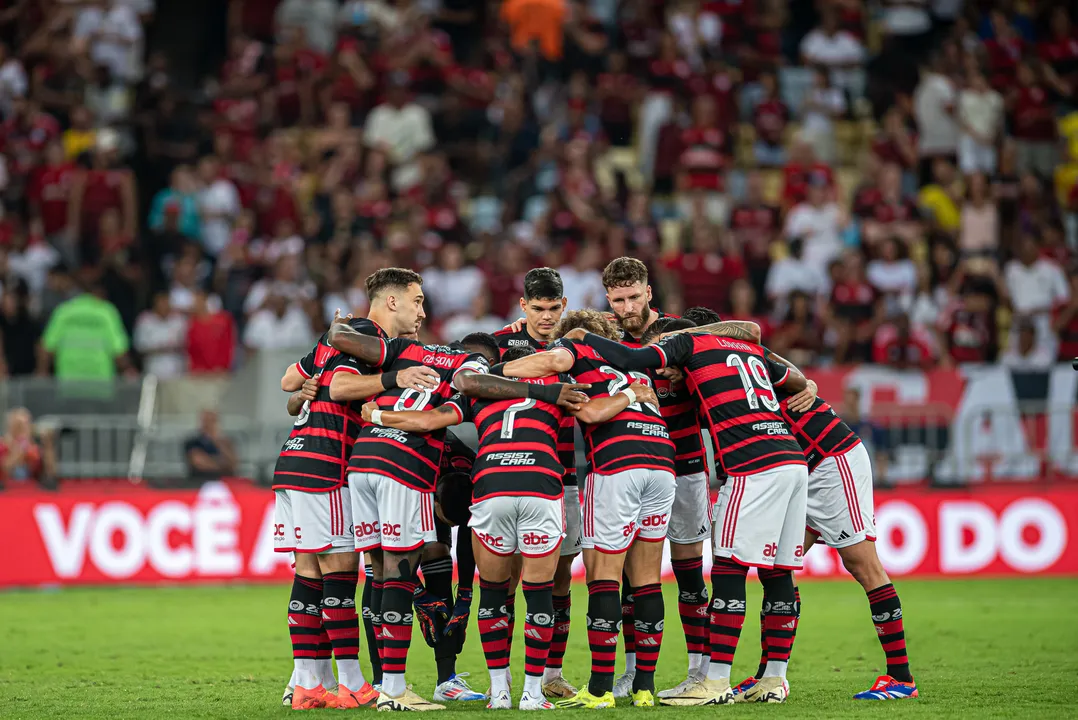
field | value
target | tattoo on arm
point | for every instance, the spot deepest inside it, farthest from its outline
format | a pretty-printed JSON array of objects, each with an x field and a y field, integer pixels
[
  {"x": 490, "y": 387},
  {"x": 735, "y": 329}
]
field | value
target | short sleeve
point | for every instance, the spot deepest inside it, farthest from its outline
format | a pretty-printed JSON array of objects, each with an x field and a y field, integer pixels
[
  {"x": 462, "y": 405},
  {"x": 306, "y": 364},
  {"x": 779, "y": 373},
  {"x": 342, "y": 362},
  {"x": 675, "y": 349},
  {"x": 474, "y": 362},
  {"x": 564, "y": 344},
  {"x": 392, "y": 349}
]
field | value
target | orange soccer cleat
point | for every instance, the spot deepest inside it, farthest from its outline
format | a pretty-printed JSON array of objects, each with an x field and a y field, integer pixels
[
  {"x": 311, "y": 698},
  {"x": 346, "y": 699}
]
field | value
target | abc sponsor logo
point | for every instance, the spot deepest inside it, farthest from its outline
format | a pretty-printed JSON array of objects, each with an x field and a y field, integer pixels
[
  {"x": 536, "y": 539},
  {"x": 496, "y": 541},
  {"x": 655, "y": 521}
]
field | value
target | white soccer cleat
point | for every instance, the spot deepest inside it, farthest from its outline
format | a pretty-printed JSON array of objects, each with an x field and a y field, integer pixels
[
  {"x": 501, "y": 701},
  {"x": 457, "y": 689},
  {"x": 681, "y": 687},
  {"x": 701, "y": 692},
  {"x": 407, "y": 701},
  {"x": 769, "y": 690},
  {"x": 528, "y": 702},
  {"x": 286, "y": 699},
  {"x": 623, "y": 686}
]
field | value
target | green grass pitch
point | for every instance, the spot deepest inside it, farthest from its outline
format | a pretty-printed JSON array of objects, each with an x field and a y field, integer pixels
[{"x": 979, "y": 648}]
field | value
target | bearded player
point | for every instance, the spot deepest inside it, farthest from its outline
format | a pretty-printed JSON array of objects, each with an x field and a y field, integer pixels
[{"x": 543, "y": 304}]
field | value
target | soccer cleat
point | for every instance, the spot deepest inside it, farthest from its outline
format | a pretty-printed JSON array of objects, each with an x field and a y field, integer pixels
[
  {"x": 887, "y": 688},
  {"x": 527, "y": 702},
  {"x": 286, "y": 699},
  {"x": 643, "y": 698},
  {"x": 768, "y": 690},
  {"x": 347, "y": 699},
  {"x": 623, "y": 686},
  {"x": 407, "y": 701},
  {"x": 681, "y": 686},
  {"x": 743, "y": 687},
  {"x": 456, "y": 688},
  {"x": 508, "y": 680},
  {"x": 702, "y": 692},
  {"x": 559, "y": 687},
  {"x": 308, "y": 699},
  {"x": 586, "y": 701},
  {"x": 501, "y": 701}
]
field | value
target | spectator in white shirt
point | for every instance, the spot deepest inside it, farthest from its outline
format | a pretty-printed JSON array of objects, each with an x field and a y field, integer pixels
[
  {"x": 892, "y": 275},
  {"x": 451, "y": 286},
  {"x": 114, "y": 35},
  {"x": 792, "y": 274},
  {"x": 837, "y": 50},
  {"x": 278, "y": 325},
  {"x": 285, "y": 282},
  {"x": 823, "y": 104},
  {"x": 583, "y": 280},
  {"x": 980, "y": 116},
  {"x": 818, "y": 222},
  {"x": 1037, "y": 286},
  {"x": 1026, "y": 351},
  {"x": 317, "y": 19},
  {"x": 403, "y": 129},
  {"x": 934, "y": 111},
  {"x": 12, "y": 80},
  {"x": 160, "y": 336},
  {"x": 219, "y": 205},
  {"x": 479, "y": 319}
]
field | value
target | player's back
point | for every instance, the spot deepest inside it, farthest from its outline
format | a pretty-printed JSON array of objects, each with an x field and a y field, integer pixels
[
  {"x": 681, "y": 413},
  {"x": 736, "y": 387},
  {"x": 316, "y": 452},
  {"x": 819, "y": 431}
]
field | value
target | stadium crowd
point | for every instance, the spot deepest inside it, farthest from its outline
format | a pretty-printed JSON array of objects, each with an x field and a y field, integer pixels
[{"x": 891, "y": 185}]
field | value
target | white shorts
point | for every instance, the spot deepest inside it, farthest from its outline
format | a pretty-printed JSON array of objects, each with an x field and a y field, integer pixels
[
  {"x": 840, "y": 510},
  {"x": 390, "y": 515},
  {"x": 507, "y": 524},
  {"x": 571, "y": 544},
  {"x": 690, "y": 518},
  {"x": 760, "y": 519},
  {"x": 625, "y": 506},
  {"x": 312, "y": 522}
]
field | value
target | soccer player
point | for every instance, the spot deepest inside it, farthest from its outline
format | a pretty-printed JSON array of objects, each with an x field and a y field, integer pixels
[
  {"x": 392, "y": 474},
  {"x": 312, "y": 518},
  {"x": 626, "y": 507},
  {"x": 690, "y": 517},
  {"x": 760, "y": 514},
  {"x": 543, "y": 304},
  {"x": 840, "y": 513}
]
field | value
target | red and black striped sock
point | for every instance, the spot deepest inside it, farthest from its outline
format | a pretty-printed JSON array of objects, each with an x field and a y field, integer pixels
[
  {"x": 649, "y": 612},
  {"x": 887, "y": 617},
  {"x": 305, "y": 618},
  {"x": 562, "y": 612},
  {"x": 780, "y": 619},
  {"x": 602, "y": 634},
  {"x": 493, "y": 623},
  {"x": 538, "y": 632},
  {"x": 727, "y": 614},
  {"x": 763, "y": 629},
  {"x": 396, "y": 631},
  {"x": 342, "y": 625},
  {"x": 692, "y": 606},
  {"x": 628, "y": 624},
  {"x": 511, "y": 616},
  {"x": 372, "y": 621}
]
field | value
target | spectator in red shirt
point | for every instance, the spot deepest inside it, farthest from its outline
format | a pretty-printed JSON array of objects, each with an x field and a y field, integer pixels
[
  {"x": 893, "y": 215},
  {"x": 802, "y": 167},
  {"x": 211, "y": 338},
  {"x": 619, "y": 92},
  {"x": 667, "y": 75},
  {"x": 106, "y": 185},
  {"x": 754, "y": 226},
  {"x": 770, "y": 117},
  {"x": 897, "y": 141},
  {"x": 1066, "y": 324},
  {"x": 969, "y": 334},
  {"x": 856, "y": 311},
  {"x": 48, "y": 196},
  {"x": 1004, "y": 52},
  {"x": 900, "y": 346},
  {"x": 1033, "y": 123},
  {"x": 23, "y": 459},
  {"x": 1060, "y": 54},
  {"x": 720, "y": 81},
  {"x": 799, "y": 337},
  {"x": 703, "y": 161},
  {"x": 704, "y": 273}
]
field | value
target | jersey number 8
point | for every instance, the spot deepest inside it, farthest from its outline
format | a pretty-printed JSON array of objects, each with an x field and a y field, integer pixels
[
  {"x": 422, "y": 397},
  {"x": 754, "y": 373}
]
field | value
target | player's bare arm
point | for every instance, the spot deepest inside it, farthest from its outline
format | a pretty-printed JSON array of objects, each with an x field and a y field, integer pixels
[
  {"x": 417, "y": 421},
  {"x": 541, "y": 364},
  {"x": 491, "y": 387},
  {"x": 600, "y": 410},
  {"x": 734, "y": 329},
  {"x": 307, "y": 393},
  {"x": 293, "y": 379},
  {"x": 365, "y": 348},
  {"x": 803, "y": 400},
  {"x": 350, "y": 386}
]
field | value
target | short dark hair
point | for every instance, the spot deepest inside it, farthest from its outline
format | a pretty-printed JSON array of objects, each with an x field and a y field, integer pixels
[
  {"x": 591, "y": 320},
  {"x": 701, "y": 315},
  {"x": 453, "y": 493},
  {"x": 380, "y": 281},
  {"x": 623, "y": 272},
  {"x": 516, "y": 352},
  {"x": 543, "y": 284},
  {"x": 664, "y": 325},
  {"x": 484, "y": 344}
]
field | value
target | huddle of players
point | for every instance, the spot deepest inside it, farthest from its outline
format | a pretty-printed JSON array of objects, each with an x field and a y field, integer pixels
[{"x": 640, "y": 402}]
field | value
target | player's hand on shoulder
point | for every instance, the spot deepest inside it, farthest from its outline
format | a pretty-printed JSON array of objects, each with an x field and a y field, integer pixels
[
  {"x": 369, "y": 408},
  {"x": 517, "y": 325},
  {"x": 803, "y": 400},
  {"x": 571, "y": 396},
  {"x": 644, "y": 393},
  {"x": 337, "y": 318},
  {"x": 309, "y": 389},
  {"x": 418, "y": 377}
]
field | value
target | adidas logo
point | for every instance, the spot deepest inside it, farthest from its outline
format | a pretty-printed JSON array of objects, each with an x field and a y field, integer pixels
[
  {"x": 500, "y": 625},
  {"x": 533, "y": 633},
  {"x": 648, "y": 641},
  {"x": 843, "y": 535},
  {"x": 702, "y": 530},
  {"x": 610, "y": 641},
  {"x": 291, "y": 621}
]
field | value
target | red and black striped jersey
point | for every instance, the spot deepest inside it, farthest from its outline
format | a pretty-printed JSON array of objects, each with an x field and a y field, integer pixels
[
  {"x": 316, "y": 453},
  {"x": 518, "y": 444},
  {"x": 630, "y": 341},
  {"x": 634, "y": 438},
  {"x": 819, "y": 431},
  {"x": 412, "y": 459},
  {"x": 681, "y": 412},
  {"x": 567, "y": 432},
  {"x": 735, "y": 383}
]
